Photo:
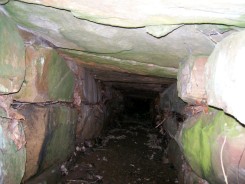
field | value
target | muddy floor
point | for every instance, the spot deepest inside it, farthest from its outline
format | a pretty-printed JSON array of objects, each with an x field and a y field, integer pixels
[{"x": 130, "y": 152}]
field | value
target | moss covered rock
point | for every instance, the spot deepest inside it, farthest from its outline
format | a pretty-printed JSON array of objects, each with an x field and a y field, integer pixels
[
  {"x": 12, "y": 159},
  {"x": 212, "y": 141},
  {"x": 48, "y": 78},
  {"x": 12, "y": 56}
]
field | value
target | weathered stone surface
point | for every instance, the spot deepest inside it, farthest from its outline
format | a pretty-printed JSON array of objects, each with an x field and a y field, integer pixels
[
  {"x": 138, "y": 13},
  {"x": 48, "y": 78},
  {"x": 92, "y": 122},
  {"x": 105, "y": 62},
  {"x": 12, "y": 160},
  {"x": 50, "y": 175},
  {"x": 170, "y": 101},
  {"x": 50, "y": 136},
  {"x": 185, "y": 174},
  {"x": 131, "y": 50},
  {"x": 172, "y": 120},
  {"x": 5, "y": 103},
  {"x": 216, "y": 32},
  {"x": 92, "y": 109},
  {"x": 60, "y": 141},
  {"x": 91, "y": 92},
  {"x": 212, "y": 141},
  {"x": 35, "y": 131},
  {"x": 191, "y": 80},
  {"x": 161, "y": 30},
  {"x": 225, "y": 76},
  {"x": 131, "y": 84},
  {"x": 3, "y": 1},
  {"x": 2, "y": 112},
  {"x": 12, "y": 56}
]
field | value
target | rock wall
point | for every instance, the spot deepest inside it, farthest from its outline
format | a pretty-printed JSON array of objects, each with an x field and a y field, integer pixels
[
  {"x": 12, "y": 56},
  {"x": 57, "y": 102},
  {"x": 173, "y": 115},
  {"x": 50, "y": 135},
  {"x": 212, "y": 141},
  {"x": 213, "y": 145},
  {"x": 12, "y": 157},
  {"x": 37, "y": 116},
  {"x": 191, "y": 80},
  {"x": 206, "y": 142},
  {"x": 216, "y": 80},
  {"x": 47, "y": 77},
  {"x": 94, "y": 101},
  {"x": 45, "y": 103},
  {"x": 226, "y": 64},
  {"x": 12, "y": 71}
]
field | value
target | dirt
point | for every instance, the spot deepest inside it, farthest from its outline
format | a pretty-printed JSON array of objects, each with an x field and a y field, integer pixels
[{"x": 131, "y": 153}]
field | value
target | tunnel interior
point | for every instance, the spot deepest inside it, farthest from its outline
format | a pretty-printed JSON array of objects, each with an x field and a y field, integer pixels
[
  {"x": 113, "y": 119},
  {"x": 128, "y": 139},
  {"x": 137, "y": 106},
  {"x": 131, "y": 142},
  {"x": 122, "y": 92}
]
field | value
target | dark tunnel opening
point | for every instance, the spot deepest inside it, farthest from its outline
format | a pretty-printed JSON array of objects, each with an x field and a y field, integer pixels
[
  {"x": 94, "y": 93},
  {"x": 131, "y": 149},
  {"x": 137, "y": 106},
  {"x": 121, "y": 142}
]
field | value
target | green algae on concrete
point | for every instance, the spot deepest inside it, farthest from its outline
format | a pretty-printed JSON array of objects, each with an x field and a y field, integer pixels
[
  {"x": 12, "y": 56},
  {"x": 48, "y": 78},
  {"x": 12, "y": 161},
  {"x": 201, "y": 139}
]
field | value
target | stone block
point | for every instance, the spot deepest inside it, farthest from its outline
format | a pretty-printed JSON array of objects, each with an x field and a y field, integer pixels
[
  {"x": 91, "y": 123},
  {"x": 185, "y": 174},
  {"x": 48, "y": 78},
  {"x": 154, "y": 12},
  {"x": 212, "y": 141},
  {"x": 169, "y": 100},
  {"x": 60, "y": 141},
  {"x": 12, "y": 57},
  {"x": 50, "y": 136},
  {"x": 92, "y": 109},
  {"x": 3, "y": 1},
  {"x": 12, "y": 151},
  {"x": 225, "y": 75},
  {"x": 91, "y": 91},
  {"x": 191, "y": 80}
]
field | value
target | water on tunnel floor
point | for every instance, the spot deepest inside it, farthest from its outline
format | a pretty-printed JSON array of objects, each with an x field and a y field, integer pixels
[{"x": 131, "y": 151}]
